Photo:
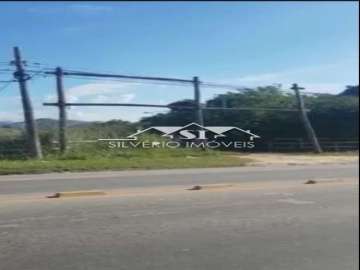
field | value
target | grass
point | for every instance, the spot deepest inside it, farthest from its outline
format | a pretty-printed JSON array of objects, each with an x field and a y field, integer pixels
[{"x": 96, "y": 159}]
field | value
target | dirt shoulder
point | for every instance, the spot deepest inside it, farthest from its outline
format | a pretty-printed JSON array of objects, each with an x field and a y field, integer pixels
[{"x": 301, "y": 159}]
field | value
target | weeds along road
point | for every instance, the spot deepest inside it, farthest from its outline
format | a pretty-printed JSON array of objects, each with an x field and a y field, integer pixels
[{"x": 268, "y": 220}]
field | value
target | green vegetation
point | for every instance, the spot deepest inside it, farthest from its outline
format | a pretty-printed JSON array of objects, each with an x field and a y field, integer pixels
[
  {"x": 94, "y": 158},
  {"x": 351, "y": 90},
  {"x": 12, "y": 138},
  {"x": 334, "y": 117}
]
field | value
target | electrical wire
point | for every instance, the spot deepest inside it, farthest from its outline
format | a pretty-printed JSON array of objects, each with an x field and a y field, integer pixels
[
  {"x": 136, "y": 81},
  {"x": 46, "y": 68},
  {"x": 5, "y": 70},
  {"x": 5, "y": 85},
  {"x": 7, "y": 81}
]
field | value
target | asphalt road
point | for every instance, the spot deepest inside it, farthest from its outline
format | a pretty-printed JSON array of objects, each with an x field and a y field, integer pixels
[
  {"x": 55, "y": 182},
  {"x": 269, "y": 227}
]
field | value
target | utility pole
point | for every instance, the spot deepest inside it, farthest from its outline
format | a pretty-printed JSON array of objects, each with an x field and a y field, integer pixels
[
  {"x": 62, "y": 109},
  {"x": 199, "y": 118},
  {"x": 303, "y": 114},
  {"x": 33, "y": 142},
  {"x": 197, "y": 98},
  {"x": 223, "y": 102}
]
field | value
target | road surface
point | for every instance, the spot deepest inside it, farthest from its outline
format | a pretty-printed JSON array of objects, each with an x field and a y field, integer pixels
[
  {"x": 269, "y": 220},
  {"x": 19, "y": 184}
]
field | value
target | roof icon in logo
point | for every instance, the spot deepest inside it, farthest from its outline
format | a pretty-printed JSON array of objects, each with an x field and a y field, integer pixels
[{"x": 170, "y": 131}]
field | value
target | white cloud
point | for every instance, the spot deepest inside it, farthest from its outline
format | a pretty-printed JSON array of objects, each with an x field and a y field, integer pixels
[
  {"x": 123, "y": 98},
  {"x": 104, "y": 92},
  {"x": 274, "y": 77},
  {"x": 11, "y": 116},
  {"x": 91, "y": 89},
  {"x": 98, "y": 92},
  {"x": 108, "y": 113},
  {"x": 10, "y": 99},
  {"x": 306, "y": 77},
  {"x": 333, "y": 88}
]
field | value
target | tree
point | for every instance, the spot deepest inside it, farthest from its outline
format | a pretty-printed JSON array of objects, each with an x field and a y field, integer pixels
[
  {"x": 332, "y": 116},
  {"x": 351, "y": 90}
]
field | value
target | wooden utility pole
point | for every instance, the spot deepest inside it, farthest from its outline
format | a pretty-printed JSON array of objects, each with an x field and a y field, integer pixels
[
  {"x": 62, "y": 109},
  {"x": 303, "y": 114},
  {"x": 199, "y": 118},
  {"x": 32, "y": 136},
  {"x": 223, "y": 102}
]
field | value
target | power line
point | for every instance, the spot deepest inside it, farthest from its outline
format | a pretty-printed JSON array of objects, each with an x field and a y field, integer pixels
[
  {"x": 317, "y": 93},
  {"x": 104, "y": 75},
  {"x": 222, "y": 85},
  {"x": 49, "y": 67},
  {"x": 122, "y": 78},
  {"x": 5, "y": 85},
  {"x": 7, "y": 81},
  {"x": 86, "y": 75},
  {"x": 128, "y": 81}
]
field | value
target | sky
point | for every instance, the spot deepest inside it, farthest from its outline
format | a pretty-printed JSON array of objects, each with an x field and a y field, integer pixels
[{"x": 314, "y": 44}]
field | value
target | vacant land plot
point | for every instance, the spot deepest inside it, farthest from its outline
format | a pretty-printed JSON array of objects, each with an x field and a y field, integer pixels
[
  {"x": 161, "y": 161},
  {"x": 166, "y": 160}
]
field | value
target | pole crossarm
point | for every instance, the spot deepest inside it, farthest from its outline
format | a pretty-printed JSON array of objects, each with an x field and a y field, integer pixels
[
  {"x": 168, "y": 106},
  {"x": 103, "y": 75},
  {"x": 251, "y": 109},
  {"x": 118, "y": 104}
]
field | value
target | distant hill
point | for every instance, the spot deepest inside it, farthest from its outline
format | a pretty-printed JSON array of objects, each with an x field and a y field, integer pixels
[
  {"x": 4, "y": 123},
  {"x": 77, "y": 130},
  {"x": 45, "y": 123}
]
